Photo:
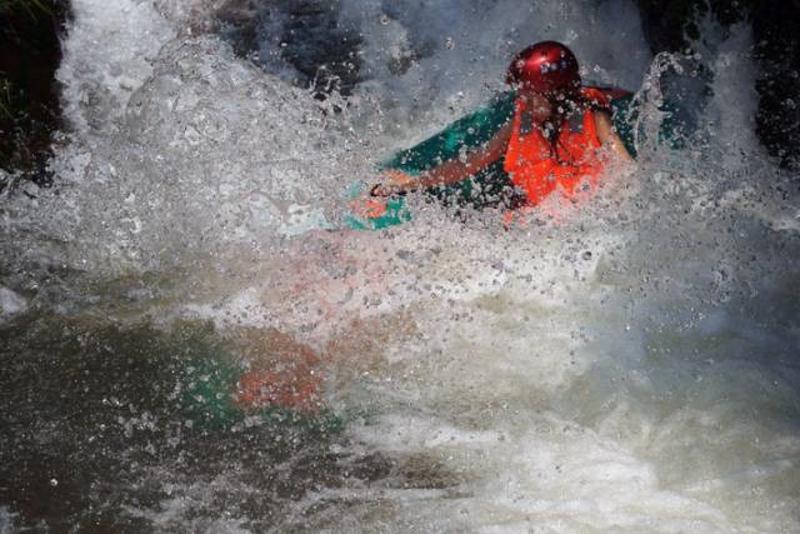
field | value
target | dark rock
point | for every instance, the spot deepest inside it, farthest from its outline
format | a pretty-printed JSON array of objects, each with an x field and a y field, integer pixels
[
  {"x": 30, "y": 53},
  {"x": 323, "y": 51},
  {"x": 668, "y": 23},
  {"x": 778, "y": 51}
]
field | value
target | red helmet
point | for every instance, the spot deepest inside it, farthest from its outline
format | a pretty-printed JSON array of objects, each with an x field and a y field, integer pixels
[{"x": 546, "y": 67}]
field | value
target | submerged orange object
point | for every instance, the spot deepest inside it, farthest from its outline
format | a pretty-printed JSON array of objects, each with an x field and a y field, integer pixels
[
  {"x": 282, "y": 373},
  {"x": 294, "y": 388}
]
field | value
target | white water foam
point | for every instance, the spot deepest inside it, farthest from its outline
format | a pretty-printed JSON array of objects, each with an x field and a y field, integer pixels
[
  {"x": 11, "y": 303},
  {"x": 629, "y": 369}
]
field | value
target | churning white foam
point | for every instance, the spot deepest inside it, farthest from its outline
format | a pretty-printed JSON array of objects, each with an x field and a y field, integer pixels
[{"x": 631, "y": 368}]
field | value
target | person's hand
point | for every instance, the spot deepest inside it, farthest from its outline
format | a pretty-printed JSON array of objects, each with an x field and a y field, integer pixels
[{"x": 393, "y": 182}]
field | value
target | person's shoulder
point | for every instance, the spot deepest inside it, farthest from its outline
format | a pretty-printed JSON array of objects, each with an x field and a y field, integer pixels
[{"x": 596, "y": 98}]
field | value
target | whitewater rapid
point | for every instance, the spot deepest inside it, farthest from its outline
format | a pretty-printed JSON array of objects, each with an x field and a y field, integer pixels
[{"x": 629, "y": 366}]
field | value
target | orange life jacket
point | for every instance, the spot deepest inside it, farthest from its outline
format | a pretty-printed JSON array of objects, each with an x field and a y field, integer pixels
[{"x": 538, "y": 167}]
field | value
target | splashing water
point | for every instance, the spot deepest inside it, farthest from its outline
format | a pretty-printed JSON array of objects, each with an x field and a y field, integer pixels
[{"x": 627, "y": 366}]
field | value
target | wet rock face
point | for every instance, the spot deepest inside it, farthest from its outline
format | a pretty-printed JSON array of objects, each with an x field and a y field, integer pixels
[
  {"x": 778, "y": 51},
  {"x": 29, "y": 56},
  {"x": 668, "y": 23},
  {"x": 320, "y": 48},
  {"x": 309, "y": 34}
]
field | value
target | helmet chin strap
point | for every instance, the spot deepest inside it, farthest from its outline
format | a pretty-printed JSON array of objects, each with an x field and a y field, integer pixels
[{"x": 549, "y": 129}]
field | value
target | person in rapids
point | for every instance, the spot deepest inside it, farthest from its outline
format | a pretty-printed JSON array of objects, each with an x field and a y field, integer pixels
[{"x": 560, "y": 136}]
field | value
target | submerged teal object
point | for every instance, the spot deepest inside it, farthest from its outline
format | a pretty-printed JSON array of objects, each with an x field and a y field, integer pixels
[
  {"x": 488, "y": 187},
  {"x": 208, "y": 387}
]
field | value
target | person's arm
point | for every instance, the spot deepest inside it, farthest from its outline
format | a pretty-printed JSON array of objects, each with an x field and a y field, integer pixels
[
  {"x": 609, "y": 138},
  {"x": 449, "y": 172}
]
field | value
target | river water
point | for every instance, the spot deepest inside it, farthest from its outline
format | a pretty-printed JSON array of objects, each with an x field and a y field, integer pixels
[{"x": 626, "y": 365}]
